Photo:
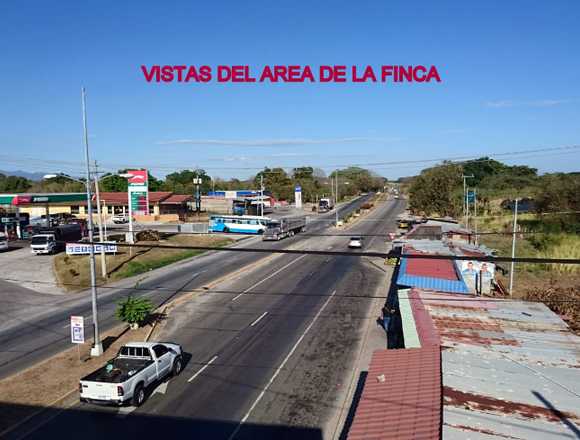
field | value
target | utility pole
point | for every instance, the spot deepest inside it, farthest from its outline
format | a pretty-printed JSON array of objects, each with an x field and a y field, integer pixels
[
  {"x": 336, "y": 201},
  {"x": 467, "y": 211},
  {"x": 513, "y": 247},
  {"x": 196, "y": 182},
  {"x": 465, "y": 219},
  {"x": 101, "y": 239},
  {"x": 475, "y": 215},
  {"x": 97, "y": 349},
  {"x": 262, "y": 195}
]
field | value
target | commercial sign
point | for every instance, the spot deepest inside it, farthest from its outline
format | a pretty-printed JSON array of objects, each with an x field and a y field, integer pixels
[
  {"x": 85, "y": 249},
  {"x": 298, "y": 196},
  {"x": 77, "y": 330},
  {"x": 138, "y": 192},
  {"x": 470, "y": 196}
]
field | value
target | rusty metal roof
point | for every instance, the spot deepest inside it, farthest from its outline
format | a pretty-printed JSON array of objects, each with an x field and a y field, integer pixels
[
  {"x": 401, "y": 398},
  {"x": 511, "y": 369}
]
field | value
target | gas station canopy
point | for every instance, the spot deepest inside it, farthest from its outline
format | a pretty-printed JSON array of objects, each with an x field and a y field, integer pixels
[{"x": 41, "y": 199}]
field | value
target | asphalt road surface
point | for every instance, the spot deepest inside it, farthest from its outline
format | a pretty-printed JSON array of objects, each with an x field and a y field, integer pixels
[
  {"x": 269, "y": 353},
  {"x": 40, "y": 328}
]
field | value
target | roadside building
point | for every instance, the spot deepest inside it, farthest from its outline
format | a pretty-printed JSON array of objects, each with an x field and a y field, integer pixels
[
  {"x": 163, "y": 205},
  {"x": 461, "y": 364}
]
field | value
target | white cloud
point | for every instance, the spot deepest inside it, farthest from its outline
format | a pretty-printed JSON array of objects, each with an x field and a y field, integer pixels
[
  {"x": 273, "y": 142},
  {"x": 538, "y": 103}
]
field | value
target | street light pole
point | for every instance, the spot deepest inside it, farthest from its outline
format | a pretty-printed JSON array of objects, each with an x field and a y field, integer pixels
[
  {"x": 97, "y": 349},
  {"x": 262, "y": 195},
  {"x": 101, "y": 239}
]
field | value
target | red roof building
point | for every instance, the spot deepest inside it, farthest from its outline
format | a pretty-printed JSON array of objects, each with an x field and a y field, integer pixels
[{"x": 401, "y": 398}]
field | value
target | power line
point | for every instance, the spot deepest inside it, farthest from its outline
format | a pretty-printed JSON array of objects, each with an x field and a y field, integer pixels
[
  {"x": 391, "y": 254},
  {"x": 264, "y": 293},
  {"x": 454, "y": 159}
]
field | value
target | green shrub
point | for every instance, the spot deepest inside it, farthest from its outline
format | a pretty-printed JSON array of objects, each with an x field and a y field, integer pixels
[{"x": 133, "y": 310}]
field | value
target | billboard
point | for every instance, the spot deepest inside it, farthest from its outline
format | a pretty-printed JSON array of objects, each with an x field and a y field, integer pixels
[
  {"x": 85, "y": 249},
  {"x": 298, "y": 196},
  {"x": 138, "y": 192},
  {"x": 478, "y": 275}
]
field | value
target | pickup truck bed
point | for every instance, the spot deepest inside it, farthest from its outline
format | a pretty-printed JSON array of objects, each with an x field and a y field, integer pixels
[{"x": 122, "y": 370}]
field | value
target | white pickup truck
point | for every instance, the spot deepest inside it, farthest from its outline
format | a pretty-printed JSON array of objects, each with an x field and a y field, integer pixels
[{"x": 126, "y": 378}]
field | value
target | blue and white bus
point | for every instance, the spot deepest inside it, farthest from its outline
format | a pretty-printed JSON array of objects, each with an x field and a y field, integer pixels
[{"x": 240, "y": 224}]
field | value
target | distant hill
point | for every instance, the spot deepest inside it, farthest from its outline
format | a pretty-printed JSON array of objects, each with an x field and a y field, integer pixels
[{"x": 30, "y": 176}]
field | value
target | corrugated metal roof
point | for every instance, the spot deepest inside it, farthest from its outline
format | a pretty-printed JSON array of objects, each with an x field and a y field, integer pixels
[
  {"x": 425, "y": 232},
  {"x": 443, "y": 269},
  {"x": 401, "y": 398},
  {"x": 433, "y": 281},
  {"x": 511, "y": 369}
]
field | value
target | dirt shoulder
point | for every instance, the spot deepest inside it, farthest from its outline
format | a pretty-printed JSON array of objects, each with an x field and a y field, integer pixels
[{"x": 48, "y": 383}]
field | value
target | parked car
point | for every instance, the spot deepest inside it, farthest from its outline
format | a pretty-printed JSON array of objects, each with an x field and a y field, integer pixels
[
  {"x": 127, "y": 377},
  {"x": 3, "y": 242},
  {"x": 120, "y": 219},
  {"x": 355, "y": 242}
]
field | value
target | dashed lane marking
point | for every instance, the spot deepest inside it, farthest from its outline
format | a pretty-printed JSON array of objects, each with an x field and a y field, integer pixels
[{"x": 211, "y": 361}]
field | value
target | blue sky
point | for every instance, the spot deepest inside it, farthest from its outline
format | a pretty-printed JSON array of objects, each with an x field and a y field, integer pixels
[{"x": 510, "y": 82}]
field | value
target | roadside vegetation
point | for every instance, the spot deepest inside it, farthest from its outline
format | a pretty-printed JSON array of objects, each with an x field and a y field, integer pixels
[
  {"x": 72, "y": 273},
  {"x": 281, "y": 183},
  {"x": 548, "y": 227}
]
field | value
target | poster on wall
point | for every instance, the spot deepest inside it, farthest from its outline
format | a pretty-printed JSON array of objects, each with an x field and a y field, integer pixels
[{"x": 478, "y": 275}]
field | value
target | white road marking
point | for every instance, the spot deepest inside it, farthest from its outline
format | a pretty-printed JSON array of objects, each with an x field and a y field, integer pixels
[
  {"x": 211, "y": 361},
  {"x": 279, "y": 369},
  {"x": 258, "y": 320},
  {"x": 161, "y": 389},
  {"x": 269, "y": 276}
]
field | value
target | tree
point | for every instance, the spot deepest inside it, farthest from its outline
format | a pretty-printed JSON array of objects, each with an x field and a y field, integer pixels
[
  {"x": 14, "y": 184},
  {"x": 559, "y": 192},
  {"x": 181, "y": 182},
  {"x": 134, "y": 310},
  {"x": 435, "y": 190},
  {"x": 277, "y": 181}
]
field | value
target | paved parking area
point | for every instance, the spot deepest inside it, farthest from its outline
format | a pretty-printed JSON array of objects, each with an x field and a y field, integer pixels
[{"x": 18, "y": 266}]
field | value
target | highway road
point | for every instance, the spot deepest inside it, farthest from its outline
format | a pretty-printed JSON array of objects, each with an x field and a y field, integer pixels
[
  {"x": 40, "y": 329},
  {"x": 269, "y": 353}
]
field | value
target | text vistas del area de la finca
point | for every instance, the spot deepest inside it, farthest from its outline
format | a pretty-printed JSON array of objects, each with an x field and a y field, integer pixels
[{"x": 293, "y": 73}]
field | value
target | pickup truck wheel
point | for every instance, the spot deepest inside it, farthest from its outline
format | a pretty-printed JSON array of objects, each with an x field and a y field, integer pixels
[
  {"x": 177, "y": 366},
  {"x": 139, "y": 395}
]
